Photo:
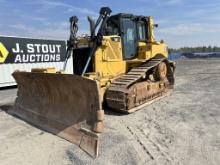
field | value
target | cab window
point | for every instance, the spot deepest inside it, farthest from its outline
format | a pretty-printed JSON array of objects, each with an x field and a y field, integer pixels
[
  {"x": 142, "y": 31},
  {"x": 129, "y": 37}
]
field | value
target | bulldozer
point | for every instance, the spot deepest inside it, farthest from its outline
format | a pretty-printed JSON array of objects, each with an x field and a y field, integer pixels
[{"x": 118, "y": 66}]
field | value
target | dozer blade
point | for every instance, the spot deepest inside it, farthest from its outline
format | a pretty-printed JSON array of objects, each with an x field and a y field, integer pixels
[{"x": 65, "y": 105}]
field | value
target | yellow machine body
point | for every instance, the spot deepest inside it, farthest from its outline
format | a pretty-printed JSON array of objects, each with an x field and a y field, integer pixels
[
  {"x": 108, "y": 61},
  {"x": 71, "y": 106}
]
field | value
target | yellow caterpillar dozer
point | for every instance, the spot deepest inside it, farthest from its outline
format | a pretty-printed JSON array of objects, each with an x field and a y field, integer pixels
[{"x": 119, "y": 66}]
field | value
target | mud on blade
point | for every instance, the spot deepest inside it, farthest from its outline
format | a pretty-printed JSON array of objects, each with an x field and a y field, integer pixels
[{"x": 65, "y": 105}]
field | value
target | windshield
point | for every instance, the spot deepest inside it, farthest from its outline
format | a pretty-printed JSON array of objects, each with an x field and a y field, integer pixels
[
  {"x": 112, "y": 28},
  {"x": 129, "y": 38}
]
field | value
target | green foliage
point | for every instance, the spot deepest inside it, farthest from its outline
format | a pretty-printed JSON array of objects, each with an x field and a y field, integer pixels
[{"x": 199, "y": 49}]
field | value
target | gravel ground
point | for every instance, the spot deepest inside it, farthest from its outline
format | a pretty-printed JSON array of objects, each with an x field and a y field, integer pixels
[{"x": 180, "y": 129}]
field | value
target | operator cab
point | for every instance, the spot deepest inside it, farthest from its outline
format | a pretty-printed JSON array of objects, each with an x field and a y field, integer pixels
[{"x": 132, "y": 29}]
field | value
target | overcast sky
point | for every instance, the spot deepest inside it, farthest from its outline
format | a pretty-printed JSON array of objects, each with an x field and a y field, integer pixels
[{"x": 181, "y": 22}]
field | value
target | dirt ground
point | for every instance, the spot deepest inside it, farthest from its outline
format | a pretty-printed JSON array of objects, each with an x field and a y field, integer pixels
[{"x": 183, "y": 128}]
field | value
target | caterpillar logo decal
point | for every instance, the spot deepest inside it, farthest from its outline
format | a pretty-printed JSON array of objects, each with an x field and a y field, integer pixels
[
  {"x": 3, "y": 53},
  {"x": 27, "y": 50}
]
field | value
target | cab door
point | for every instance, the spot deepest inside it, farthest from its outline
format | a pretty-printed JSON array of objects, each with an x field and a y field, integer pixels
[{"x": 129, "y": 38}]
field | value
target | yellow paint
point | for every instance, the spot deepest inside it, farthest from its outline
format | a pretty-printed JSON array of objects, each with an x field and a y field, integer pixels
[
  {"x": 44, "y": 70},
  {"x": 108, "y": 60},
  {"x": 151, "y": 30},
  {"x": 3, "y": 53}
]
